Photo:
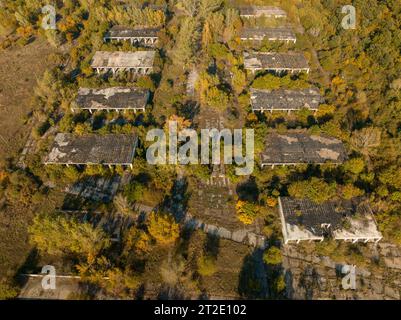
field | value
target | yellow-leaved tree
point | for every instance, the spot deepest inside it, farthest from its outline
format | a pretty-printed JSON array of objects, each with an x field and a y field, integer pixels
[
  {"x": 246, "y": 212},
  {"x": 163, "y": 228}
]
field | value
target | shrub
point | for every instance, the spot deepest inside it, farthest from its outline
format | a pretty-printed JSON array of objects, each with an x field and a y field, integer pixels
[
  {"x": 59, "y": 235},
  {"x": 273, "y": 256},
  {"x": 162, "y": 228},
  {"x": 7, "y": 292},
  {"x": 314, "y": 189},
  {"x": 349, "y": 191},
  {"x": 246, "y": 211},
  {"x": 206, "y": 266},
  {"x": 134, "y": 191}
]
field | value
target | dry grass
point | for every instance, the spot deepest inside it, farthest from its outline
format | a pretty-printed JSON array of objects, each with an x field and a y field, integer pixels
[{"x": 20, "y": 67}]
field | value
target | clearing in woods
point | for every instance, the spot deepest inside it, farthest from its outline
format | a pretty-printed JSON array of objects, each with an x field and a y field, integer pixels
[{"x": 20, "y": 68}]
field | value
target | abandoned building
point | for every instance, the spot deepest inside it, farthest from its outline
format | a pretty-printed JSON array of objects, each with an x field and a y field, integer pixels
[
  {"x": 285, "y": 100},
  {"x": 272, "y": 34},
  {"x": 260, "y": 11},
  {"x": 291, "y": 62},
  {"x": 139, "y": 36},
  {"x": 347, "y": 220},
  {"x": 301, "y": 148},
  {"x": 110, "y": 150},
  {"x": 128, "y": 4},
  {"x": 139, "y": 62},
  {"x": 115, "y": 98},
  {"x": 93, "y": 188}
]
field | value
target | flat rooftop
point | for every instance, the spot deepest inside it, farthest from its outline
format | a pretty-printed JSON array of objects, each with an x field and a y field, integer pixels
[
  {"x": 65, "y": 287},
  {"x": 274, "y": 60},
  {"x": 298, "y": 148},
  {"x": 110, "y": 149},
  {"x": 282, "y": 99},
  {"x": 119, "y": 59},
  {"x": 131, "y": 32},
  {"x": 282, "y": 33},
  {"x": 303, "y": 219},
  {"x": 112, "y": 98},
  {"x": 259, "y": 11}
]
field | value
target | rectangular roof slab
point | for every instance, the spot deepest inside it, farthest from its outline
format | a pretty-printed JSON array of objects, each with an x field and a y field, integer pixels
[
  {"x": 131, "y": 32},
  {"x": 304, "y": 219},
  {"x": 259, "y": 11},
  {"x": 275, "y": 60},
  {"x": 119, "y": 59},
  {"x": 110, "y": 149},
  {"x": 112, "y": 98},
  {"x": 271, "y": 34},
  {"x": 298, "y": 148},
  {"x": 282, "y": 99}
]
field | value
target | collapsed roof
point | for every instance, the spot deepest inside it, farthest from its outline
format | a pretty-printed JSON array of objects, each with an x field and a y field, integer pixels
[
  {"x": 112, "y": 98},
  {"x": 119, "y": 59},
  {"x": 110, "y": 149},
  {"x": 303, "y": 219},
  {"x": 282, "y": 34},
  {"x": 259, "y": 11},
  {"x": 131, "y": 32},
  {"x": 275, "y": 61},
  {"x": 286, "y": 100},
  {"x": 298, "y": 148}
]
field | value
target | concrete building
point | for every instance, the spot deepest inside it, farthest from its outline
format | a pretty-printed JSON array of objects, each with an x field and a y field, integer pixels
[
  {"x": 139, "y": 62},
  {"x": 272, "y": 34},
  {"x": 261, "y": 11},
  {"x": 301, "y": 148},
  {"x": 115, "y": 98},
  {"x": 346, "y": 220},
  {"x": 110, "y": 149},
  {"x": 129, "y": 4},
  {"x": 139, "y": 36},
  {"x": 285, "y": 100},
  {"x": 291, "y": 62}
]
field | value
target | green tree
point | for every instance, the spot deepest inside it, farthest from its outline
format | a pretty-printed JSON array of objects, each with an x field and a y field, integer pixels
[
  {"x": 238, "y": 80},
  {"x": 57, "y": 235},
  {"x": 206, "y": 266},
  {"x": 349, "y": 191},
  {"x": 273, "y": 256},
  {"x": 314, "y": 189},
  {"x": 7, "y": 291},
  {"x": 163, "y": 228},
  {"x": 183, "y": 51},
  {"x": 123, "y": 206},
  {"x": 354, "y": 166}
]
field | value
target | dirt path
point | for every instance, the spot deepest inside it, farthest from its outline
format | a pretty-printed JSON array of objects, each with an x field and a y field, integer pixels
[{"x": 324, "y": 73}]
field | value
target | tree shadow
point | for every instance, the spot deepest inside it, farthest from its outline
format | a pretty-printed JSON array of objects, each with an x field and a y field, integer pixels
[
  {"x": 248, "y": 190},
  {"x": 289, "y": 288},
  {"x": 309, "y": 281},
  {"x": 190, "y": 110},
  {"x": 172, "y": 293},
  {"x": 252, "y": 279},
  {"x": 177, "y": 201},
  {"x": 212, "y": 245},
  {"x": 30, "y": 265}
]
